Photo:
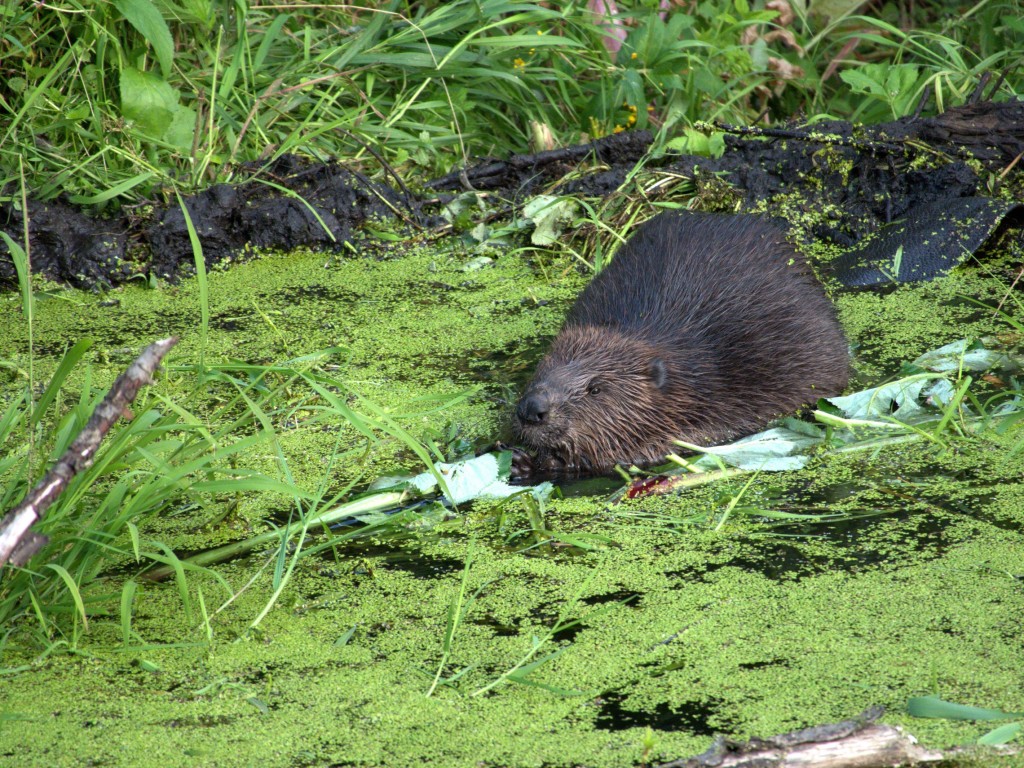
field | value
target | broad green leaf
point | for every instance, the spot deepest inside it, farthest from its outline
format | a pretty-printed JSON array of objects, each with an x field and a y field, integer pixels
[
  {"x": 145, "y": 17},
  {"x": 968, "y": 356},
  {"x": 480, "y": 477},
  {"x": 182, "y": 128},
  {"x": 147, "y": 100},
  {"x": 549, "y": 215},
  {"x": 153, "y": 105},
  {"x": 861, "y": 83},
  {"x": 900, "y": 79},
  {"x": 694, "y": 142},
  {"x": 774, "y": 450},
  {"x": 897, "y": 399}
]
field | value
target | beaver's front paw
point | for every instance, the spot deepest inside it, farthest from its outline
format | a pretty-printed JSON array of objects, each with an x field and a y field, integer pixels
[{"x": 524, "y": 465}]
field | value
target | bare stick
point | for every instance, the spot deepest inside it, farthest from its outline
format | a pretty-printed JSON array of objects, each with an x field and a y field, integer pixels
[
  {"x": 856, "y": 743},
  {"x": 17, "y": 543}
]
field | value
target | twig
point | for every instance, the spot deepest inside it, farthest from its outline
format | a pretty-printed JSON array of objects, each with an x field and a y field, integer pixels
[
  {"x": 999, "y": 83},
  {"x": 979, "y": 90},
  {"x": 406, "y": 192},
  {"x": 922, "y": 103},
  {"x": 17, "y": 543}
]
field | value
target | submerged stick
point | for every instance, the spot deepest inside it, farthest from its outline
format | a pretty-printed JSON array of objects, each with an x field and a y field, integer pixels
[{"x": 17, "y": 543}]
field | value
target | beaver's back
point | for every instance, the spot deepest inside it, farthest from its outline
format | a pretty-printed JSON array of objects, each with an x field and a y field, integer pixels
[
  {"x": 729, "y": 283},
  {"x": 685, "y": 270}
]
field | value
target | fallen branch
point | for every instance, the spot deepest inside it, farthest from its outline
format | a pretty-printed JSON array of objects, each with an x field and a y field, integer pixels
[
  {"x": 856, "y": 743},
  {"x": 17, "y": 543}
]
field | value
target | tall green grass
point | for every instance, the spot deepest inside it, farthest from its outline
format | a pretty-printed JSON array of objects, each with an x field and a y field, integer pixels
[{"x": 117, "y": 102}]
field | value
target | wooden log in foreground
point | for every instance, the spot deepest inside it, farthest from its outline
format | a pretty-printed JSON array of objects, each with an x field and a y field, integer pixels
[
  {"x": 856, "y": 743},
  {"x": 17, "y": 543}
]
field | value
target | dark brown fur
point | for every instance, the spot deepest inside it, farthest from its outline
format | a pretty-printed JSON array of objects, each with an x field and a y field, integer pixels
[{"x": 704, "y": 327}]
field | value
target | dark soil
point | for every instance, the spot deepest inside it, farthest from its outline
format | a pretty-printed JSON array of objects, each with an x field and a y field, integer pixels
[
  {"x": 852, "y": 180},
  {"x": 328, "y": 201}
]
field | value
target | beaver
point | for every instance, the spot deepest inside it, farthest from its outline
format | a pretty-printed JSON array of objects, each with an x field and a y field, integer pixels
[{"x": 704, "y": 327}]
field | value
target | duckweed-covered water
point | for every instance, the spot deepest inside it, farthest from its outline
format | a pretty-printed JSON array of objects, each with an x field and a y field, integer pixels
[{"x": 652, "y": 636}]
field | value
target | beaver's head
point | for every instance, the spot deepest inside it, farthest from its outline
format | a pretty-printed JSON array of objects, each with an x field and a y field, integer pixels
[{"x": 599, "y": 398}]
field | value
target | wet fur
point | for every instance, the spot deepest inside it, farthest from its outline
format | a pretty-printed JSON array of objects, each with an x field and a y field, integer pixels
[{"x": 704, "y": 327}]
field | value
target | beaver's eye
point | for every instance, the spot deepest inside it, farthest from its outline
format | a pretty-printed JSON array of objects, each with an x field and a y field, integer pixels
[{"x": 593, "y": 388}]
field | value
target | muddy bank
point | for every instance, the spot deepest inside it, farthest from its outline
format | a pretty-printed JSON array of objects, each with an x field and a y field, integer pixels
[
  {"x": 288, "y": 204},
  {"x": 848, "y": 181}
]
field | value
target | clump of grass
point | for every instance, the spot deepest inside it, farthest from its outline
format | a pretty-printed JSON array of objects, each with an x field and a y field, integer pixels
[{"x": 164, "y": 459}]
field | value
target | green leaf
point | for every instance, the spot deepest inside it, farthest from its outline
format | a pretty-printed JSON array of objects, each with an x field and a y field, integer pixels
[
  {"x": 774, "y": 450},
  {"x": 476, "y": 478},
  {"x": 834, "y": 9},
  {"x": 343, "y": 640},
  {"x": 145, "y": 17},
  {"x": 147, "y": 100},
  {"x": 116, "y": 191},
  {"x": 933, "y": 706},
  {"x": 252, "y": 481},
  {"x": 21, "y": 266},
  {"x": 897, "y": 399},
  {"x": 259, "y": 704},
  {"x": 549, "y": 215},
  {"x": 968, "y": 356},
  {"x": 900, "y": 79},
  {"x": 67, "y": 363},
  {"x": 694, "y": 142},
  {"x": 182, "y": 128},
  {"x": 72, "y": 586},
  {"x": 269, "y": 40},
  {"x": 153, "y": 105},
  {"x": 127, "y": 598},
  {"x": 861, "y": 83},
  {"x": 1001, "y": 735},
  {"x": 367, "y": 37},
  {"x": 499, "y": 42}
]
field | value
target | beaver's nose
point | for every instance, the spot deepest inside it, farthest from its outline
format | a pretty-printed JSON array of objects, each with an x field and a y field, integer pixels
[{"x": 532, "y": 409}]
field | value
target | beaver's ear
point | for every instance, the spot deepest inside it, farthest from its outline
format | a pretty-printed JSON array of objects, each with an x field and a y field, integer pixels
[{"x": 658, "y": 372}]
